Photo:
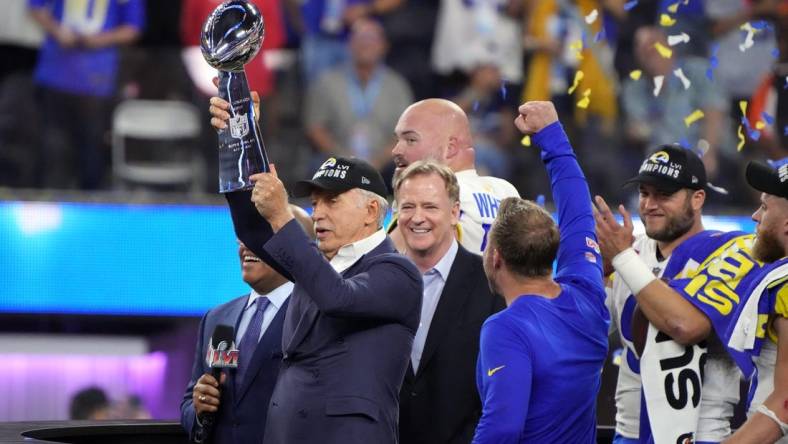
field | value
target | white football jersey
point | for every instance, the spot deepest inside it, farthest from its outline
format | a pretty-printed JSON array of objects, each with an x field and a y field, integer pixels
[
  {"x": 480, "y": 197},
  {"x": 621, "y": 304},
  {"x": 721, "y": 374}
]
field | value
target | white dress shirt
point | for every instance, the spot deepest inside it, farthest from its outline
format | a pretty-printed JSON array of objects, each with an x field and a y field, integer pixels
[
  {"x": 276, "y": 297},
  {"x": 434, "y": 281},
  {"x": 350, "y": 253}
]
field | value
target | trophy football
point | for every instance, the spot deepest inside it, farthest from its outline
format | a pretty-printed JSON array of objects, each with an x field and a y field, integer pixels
[{"x": 231, "y": 37}]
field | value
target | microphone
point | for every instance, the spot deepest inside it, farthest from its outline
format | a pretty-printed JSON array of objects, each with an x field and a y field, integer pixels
[{"x": 221, "y": 354}]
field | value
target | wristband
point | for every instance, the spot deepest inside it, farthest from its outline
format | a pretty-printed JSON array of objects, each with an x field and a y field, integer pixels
[
  {"x": 632, "y": 270},
  {"x": 765, "y": 410}
]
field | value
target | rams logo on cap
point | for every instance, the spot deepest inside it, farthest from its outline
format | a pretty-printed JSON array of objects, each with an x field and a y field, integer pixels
[
  {"x": 329, "y": 163},
  {"x": 659, "y": 156}
]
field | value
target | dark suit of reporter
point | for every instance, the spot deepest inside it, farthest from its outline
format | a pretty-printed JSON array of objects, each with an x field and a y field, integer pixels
[
  {"x": 439, "y": 403},
  {"x": 353, "y": 313},
  {"x": 241, "y": 406}
]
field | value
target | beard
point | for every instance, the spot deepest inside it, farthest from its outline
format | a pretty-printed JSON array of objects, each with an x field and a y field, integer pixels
[
  {"x": 767, "y": 248},
  {"x": 675, "y": 227}
]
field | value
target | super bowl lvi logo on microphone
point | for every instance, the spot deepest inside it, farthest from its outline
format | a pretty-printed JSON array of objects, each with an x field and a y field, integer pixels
[
  {"x": 224, "y": 355},
  {"x": 239, "y": 126}
]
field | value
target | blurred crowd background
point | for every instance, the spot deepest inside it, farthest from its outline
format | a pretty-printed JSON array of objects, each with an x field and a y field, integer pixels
[
  {"x": 107, "y": 101},
  {"x": 334, "y": 76}
]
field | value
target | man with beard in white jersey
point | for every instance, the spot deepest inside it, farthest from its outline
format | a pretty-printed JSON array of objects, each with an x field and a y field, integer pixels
[
  {"x": 670, "y": 209},
  {"x": 439, "y": 130},
  {"x": 434, "y": 129},
  {"x": 766, "y": 307}
]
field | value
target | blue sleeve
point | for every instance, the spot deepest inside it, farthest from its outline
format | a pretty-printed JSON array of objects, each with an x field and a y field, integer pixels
[
  {"x": 188, "y": 415},
  {"x": 133, "y": 13},
  {"x": 391, "y": 287},
  {"x": 578, "y": 252},
  {"x": 504, "y": 380}
]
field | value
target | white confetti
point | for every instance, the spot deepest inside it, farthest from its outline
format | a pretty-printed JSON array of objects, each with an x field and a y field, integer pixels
[
  {"x": 658, "y": 84},
  {"x": 684, "y": 80},
  {"x": 748, "y": 40},
  {"x": 674, "y": 40},
  {"x": 591, "y": 17}
]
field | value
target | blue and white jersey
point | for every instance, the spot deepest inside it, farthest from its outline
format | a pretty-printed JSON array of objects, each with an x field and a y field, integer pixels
[
  {"x": 480, "y": 197},
  {"x": 621, "y": 304}
]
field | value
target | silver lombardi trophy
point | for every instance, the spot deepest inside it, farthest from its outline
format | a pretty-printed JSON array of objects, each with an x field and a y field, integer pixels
[{"x": 231, "y": 37}]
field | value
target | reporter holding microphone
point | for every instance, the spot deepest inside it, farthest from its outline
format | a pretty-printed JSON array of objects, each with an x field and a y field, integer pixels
[{"x": 232, "y": 407}]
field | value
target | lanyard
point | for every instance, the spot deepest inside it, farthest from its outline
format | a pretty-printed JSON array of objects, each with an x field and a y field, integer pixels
[{"x": 363, "y": 99}]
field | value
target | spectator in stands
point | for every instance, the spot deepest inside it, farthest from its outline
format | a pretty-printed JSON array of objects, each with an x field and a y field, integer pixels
[
  {"x": 490, "y": 115},
  {"x": 90, "y": 403},
  {"x": 351, "y": 109},
  {"x": 76, "y": 73},
  {"x": 657, "y": 104},
  {"x": 324, "y": 26}
]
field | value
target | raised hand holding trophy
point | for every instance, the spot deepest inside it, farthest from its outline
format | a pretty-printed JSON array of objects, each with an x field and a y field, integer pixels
[{"x": 231, "y": 37}]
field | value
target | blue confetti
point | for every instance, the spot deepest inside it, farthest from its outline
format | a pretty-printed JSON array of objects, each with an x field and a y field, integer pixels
[
  {"x": 630, "y": 5},
  {"x": 767, "y": 118},
  {"x": 778, "y": 163},
  {"x": 503, "y": 89},
  {"x": 599, "y": 36},
  {"x": 713, "y": 62},
  {"x": 685, "y": 143},
  {"x": 759, "y": 25},
  {"x": 475, "y": 105},
  {"x": 755, "y": 135},
  {"x": 584, "y": 38},
  {"x": 776, "y": 53},
  {"x": 785, "y": 130},
  {"x": 540, "y": 200}
]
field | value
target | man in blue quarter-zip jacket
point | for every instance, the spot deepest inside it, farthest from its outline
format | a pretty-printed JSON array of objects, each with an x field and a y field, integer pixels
[{"x": 541, "y": 358}]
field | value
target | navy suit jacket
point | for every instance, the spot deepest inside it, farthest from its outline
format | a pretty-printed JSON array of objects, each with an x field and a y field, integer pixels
[
  {"x": 241, "y": 418},
  {"x": 346, "y": 342}
]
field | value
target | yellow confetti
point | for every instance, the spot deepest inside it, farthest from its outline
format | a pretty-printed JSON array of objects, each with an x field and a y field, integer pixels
[
  {"x": 666, "y": 20},
  {"x": 583, "y": 103},
  {"x": 577, "y": 46},
  {"x": 740, "y": 133},
  {"x": 663, "y": 50},
  {"x": 635, "y": 75},
  {"x": 578, "y": 77},
  {"x": 759, "y": 125},
  {"x": 526, "y": 140},
  {"x": 743, "y": 107},
  {"x": 673, "y": 8},
  {"x": 693, "y": 117}
]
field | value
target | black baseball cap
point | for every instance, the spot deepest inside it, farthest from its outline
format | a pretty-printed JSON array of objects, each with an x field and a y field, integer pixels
[
  {"x": 341, "y": 174},
  {"x": 671, "y": 168},
  {"x": 765, "y": 178}
]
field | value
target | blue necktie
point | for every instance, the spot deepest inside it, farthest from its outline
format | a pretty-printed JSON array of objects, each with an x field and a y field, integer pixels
[{"x": 249, "y": 341}]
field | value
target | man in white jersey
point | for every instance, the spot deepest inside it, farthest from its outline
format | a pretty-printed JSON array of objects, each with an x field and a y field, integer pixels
[
  {"x": 434, "y": 129},
  {"x": 671, "y": 213},
  {"x": 766, "y": 307},
  {"x": 438, "y": 129}
]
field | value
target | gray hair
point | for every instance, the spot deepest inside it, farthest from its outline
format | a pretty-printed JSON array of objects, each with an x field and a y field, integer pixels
[{"x": 383, "y": 205}]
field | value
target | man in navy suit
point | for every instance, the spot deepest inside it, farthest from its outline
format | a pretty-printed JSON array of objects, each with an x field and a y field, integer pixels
[
  {"x": 353, "y": 313},
  {"x": 240, "y": 401}
]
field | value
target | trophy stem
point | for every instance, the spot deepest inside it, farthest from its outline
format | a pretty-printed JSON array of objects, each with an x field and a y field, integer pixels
[{"x": 241, "y": 148}]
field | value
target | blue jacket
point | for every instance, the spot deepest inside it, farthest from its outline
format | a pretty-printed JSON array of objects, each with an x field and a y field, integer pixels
[
  {"x": 346, "y": 341},
  {"x": 242, "y": 418}
]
